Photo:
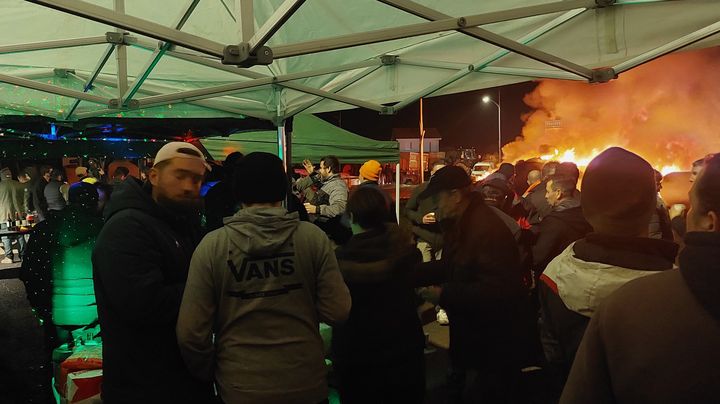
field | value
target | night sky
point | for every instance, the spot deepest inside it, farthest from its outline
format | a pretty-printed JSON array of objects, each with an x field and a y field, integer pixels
[{"x": 463, "y": 120}]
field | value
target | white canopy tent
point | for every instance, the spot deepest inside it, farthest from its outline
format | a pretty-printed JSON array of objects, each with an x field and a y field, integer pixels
[{"x": 71, "y": 59}]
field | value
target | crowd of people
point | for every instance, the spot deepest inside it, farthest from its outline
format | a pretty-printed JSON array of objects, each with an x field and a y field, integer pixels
[{"x": 220, "y": 298}]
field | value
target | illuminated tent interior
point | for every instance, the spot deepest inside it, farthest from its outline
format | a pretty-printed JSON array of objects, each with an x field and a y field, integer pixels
[{"x": 272, "y": 59}]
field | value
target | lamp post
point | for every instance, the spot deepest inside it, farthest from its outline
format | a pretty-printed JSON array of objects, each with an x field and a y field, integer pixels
[{"x": 486, "y": 99}]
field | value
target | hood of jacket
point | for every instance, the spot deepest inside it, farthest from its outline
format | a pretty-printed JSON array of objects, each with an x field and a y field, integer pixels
[
  {"x": 131, "y": 194},
  {"x": 260, "y": 231},
  {"x": 584, "y": 281}
]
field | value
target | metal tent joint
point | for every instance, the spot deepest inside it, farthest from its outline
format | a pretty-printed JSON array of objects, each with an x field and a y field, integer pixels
[
  {"x": 63, "y": 73},
  {"x": 117, "y": 38},
  {"x": 387, "y": 110},
  {"x": 116, "y": 103},
  {"x": 389, "y": 60},
  {"x": 241, "y": 55},
  {"x": 605, "y": 3},
  {"x": 603, "y": 75}
]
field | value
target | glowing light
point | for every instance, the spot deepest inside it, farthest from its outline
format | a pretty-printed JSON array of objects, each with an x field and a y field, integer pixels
[
  {"x": 669, "y": 169},
  {"x": 570, "y": 155}
]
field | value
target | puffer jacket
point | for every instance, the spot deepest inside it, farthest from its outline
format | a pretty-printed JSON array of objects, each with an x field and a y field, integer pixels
[{"x": 583, "y": 276}]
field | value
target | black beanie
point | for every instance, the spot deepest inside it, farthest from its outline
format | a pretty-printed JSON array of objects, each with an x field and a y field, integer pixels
[
  {"x": 260, "y": 178},
  {"x": 618, "y": 193}
]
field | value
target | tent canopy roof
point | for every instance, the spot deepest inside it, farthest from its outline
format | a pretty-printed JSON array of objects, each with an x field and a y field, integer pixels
[
  {"x": 72, "y": 59},
  {"x": 312, "y": 138}
]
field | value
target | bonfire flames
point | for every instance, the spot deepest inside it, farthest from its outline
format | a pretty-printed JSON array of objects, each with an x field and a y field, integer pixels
[
  {"x": 583, "y": 161},
  {"x": 665, "y": 111}
]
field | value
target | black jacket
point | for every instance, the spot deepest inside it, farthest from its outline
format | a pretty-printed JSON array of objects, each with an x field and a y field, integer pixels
[
  {"x": 483, "y": 290},
  {"x": 37, "y": 201},
  {"x": 140, "y": 265},
  {"x": 385, "y": 302},
  {"x": 558, "y": 230}
]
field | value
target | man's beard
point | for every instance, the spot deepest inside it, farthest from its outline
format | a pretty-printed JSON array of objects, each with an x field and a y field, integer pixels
[{"x": 180, "y": 207}]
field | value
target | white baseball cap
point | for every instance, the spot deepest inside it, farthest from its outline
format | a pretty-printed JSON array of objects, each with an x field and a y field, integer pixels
[{"x": 174, "y": 150}]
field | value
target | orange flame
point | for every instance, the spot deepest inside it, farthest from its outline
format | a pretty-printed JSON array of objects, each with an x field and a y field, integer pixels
[{"x": 665, "y": 111}]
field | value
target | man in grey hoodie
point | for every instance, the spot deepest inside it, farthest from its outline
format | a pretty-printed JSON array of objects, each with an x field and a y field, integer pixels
[{"x": 256, "y": 292}]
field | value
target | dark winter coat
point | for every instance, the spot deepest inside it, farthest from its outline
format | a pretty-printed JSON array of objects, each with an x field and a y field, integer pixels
[
  {"x": 140, "y": 266},
  {"x": 383, "y": 322},
  {"x": 656, "y": 339},
  {"x": 37, "y": 201},
  {"x": 583, "y": 276},
  {"x": 562, "y": 226},
  {"x": 483, "y": 290}
]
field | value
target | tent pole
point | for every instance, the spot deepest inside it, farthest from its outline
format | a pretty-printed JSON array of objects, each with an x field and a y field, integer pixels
[
  {"x": 32, "y": 75},
  {"x": 157, "y": 54},
  {"x": 495, "y": 39},
  {"x": 49, "y": 88},
  {"x": 247, "y": 19},
  {"x": 509, "y": 71},
  {"x": 272, "y": 25},
  {"x": 135, "y": 24},
  {"x": 446, "y": 24},
  {"x": 148, "y": 89},
  {"x": 224, "y": 89},
  {"x": 88, "y": 85},
  {"x": 288, "y": 125},
  {"x": 422, "y": 144},
  {"x": 280, "y": 123},
  {"x": 337, "y": 89},
  {"x": 121, "y": 54},
  {"x": 397, "y": 192},
  {"x": 532, "y": 73},
  {"x": 484, "y": 62},
  {"x": 58, "y": 44},
  {"x": 255, "y": 75},
  {"x": 677, "y": 44}
]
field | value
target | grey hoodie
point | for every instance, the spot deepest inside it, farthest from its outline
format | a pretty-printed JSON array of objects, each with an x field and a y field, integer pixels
[{"x": 262, "y": 284}]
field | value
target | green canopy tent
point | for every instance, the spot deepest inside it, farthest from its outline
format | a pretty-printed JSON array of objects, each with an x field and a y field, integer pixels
[{"x": 312, "y": 138}]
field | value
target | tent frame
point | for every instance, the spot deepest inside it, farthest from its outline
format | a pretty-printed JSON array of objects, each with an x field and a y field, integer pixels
[{"x": 236, "y": 58}]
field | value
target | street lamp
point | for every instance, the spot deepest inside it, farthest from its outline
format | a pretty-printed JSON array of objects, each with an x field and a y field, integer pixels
[{"x": 487, "y": 99}]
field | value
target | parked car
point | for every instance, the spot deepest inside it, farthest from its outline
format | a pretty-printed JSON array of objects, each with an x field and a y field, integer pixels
[{"x": 480, "y": 170}]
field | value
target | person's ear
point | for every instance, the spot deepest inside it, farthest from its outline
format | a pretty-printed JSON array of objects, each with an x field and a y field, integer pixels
[
  {"x": 154, "y": 176},
  {"x": 714, "y": 221}
]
